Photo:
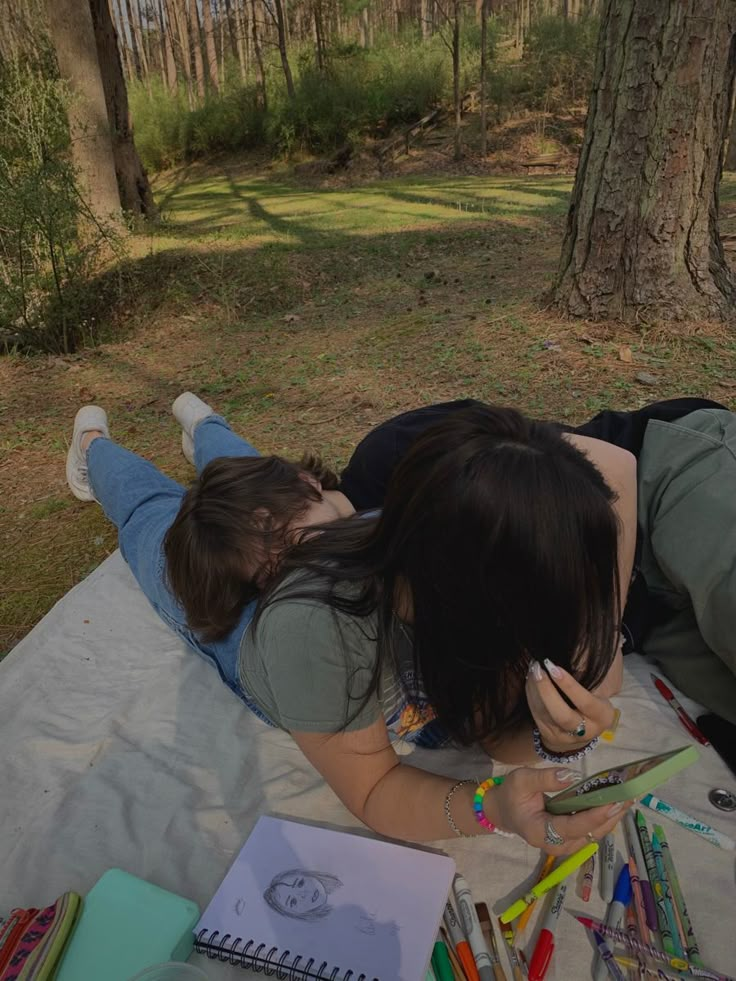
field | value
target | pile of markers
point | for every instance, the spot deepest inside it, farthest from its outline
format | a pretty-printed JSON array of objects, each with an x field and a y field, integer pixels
[{"x": 648, "y": 931}]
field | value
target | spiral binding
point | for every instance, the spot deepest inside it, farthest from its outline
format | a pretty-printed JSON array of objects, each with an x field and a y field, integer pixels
[{"x": 237, "y": 952}]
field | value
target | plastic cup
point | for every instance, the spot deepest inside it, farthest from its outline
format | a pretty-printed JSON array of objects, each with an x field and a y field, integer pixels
[{"x": 171, "y": 971}]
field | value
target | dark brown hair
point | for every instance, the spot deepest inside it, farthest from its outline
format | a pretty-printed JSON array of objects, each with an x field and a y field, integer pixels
[
  {"x": 505, "y": 536},
  {"x": 220, "y": 549}
]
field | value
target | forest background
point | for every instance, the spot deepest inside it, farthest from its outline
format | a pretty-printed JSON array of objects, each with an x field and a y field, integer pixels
[{"x": 316, "y": 213}]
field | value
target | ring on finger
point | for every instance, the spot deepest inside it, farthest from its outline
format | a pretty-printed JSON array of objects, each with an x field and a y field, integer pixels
[
  {"x": 579, "y": 731},
  {"x": 591, "y": 837},
  {"x": 551, "y": 837}
]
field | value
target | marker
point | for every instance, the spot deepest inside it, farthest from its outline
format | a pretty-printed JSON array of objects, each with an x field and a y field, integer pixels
[
  {"x": 441, "y": 961},
  {"x": 486, "y": 926},
  {"x": 615, "y": 914},
  {"x": 588, "y": 873},
  {"x": 623, "y": 938},
  {"x": 557, "y": 875},
  {"x": 457, "y": 971},
  {"x": 545, "y": 944},
  {"x": 471, "y": 925},
  {"x": 664, "y": 901},
  {"x": 682, "y": 715},
  {"x": 608, "y": 861},
  {"x": 458, "y": 941},
  {"x": 507, "y": 932},
  {"x": 685, "y": 821},
  {"x": 431, "y": 976},
  {"x": 635, "y": 848},
  {"x": 543, "y": 873},
  {"x": 606, "y": 954},
  {"x": 692, "y": 951}
]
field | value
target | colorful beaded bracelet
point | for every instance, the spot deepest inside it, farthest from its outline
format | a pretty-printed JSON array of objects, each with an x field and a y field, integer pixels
[{"x": 480, "y": 793}]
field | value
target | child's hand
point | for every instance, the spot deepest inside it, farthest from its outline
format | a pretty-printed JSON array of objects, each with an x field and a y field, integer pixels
[
  {"x": 556, "y": 721},
  {"x": 517, "y": 805}
]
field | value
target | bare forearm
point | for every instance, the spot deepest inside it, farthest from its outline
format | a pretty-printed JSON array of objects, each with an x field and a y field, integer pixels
[{"x": 409, "y": 803}]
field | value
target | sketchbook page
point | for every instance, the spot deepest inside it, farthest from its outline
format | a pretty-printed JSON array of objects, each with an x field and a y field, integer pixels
[{"x": 359, "y": 904}]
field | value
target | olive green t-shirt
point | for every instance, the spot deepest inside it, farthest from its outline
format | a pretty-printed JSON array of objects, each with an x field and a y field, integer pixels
[{"x": 308, "y": 668}]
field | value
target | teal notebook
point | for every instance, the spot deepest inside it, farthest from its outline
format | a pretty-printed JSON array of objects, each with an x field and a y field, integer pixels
[{"x": 126, "y": 925}]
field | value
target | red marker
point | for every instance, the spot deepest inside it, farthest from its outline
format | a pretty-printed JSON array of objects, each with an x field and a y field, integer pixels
[
  {"x": 681, "y": 713},
  {"x": 546, "y": 943}
]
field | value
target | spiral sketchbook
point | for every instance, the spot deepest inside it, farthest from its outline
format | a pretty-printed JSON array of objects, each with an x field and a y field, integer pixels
[{"x": 311, "y": 903}]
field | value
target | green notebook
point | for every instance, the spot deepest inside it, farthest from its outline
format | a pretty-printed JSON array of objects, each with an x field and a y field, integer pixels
[{"x": 126, "y": 925}]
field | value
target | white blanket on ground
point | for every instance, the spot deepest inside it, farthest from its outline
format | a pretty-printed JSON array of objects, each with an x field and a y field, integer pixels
[{"x": 119, "y": 747}]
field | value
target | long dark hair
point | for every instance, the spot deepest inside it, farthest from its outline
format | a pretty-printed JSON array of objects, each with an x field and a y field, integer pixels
[
  {"x": 503, "y": 537},
  {"x": 231, "y": 526}
]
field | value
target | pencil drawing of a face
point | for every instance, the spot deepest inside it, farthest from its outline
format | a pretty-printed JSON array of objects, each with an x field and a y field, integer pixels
[{"x": 300, "y": 894}]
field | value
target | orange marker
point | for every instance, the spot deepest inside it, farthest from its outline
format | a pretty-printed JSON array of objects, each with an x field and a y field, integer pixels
[
  {"x": 543, "y": 873},
  {"x": 459, "y": 942}
]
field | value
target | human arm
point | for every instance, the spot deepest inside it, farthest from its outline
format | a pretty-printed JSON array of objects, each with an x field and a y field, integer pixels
[{"x": 401, "y": 801}]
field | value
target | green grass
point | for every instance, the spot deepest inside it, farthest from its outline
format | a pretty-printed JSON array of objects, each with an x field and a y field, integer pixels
[{"x": 307, "y": 316}]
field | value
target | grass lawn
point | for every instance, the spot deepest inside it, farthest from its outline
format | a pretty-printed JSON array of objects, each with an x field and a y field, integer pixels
[{"x": 306, "y": 316}]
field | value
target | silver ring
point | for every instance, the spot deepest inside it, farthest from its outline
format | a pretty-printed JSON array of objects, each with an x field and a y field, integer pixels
[
  {"x": 579, "y": 731},
  {"x": 590, "y": 837},
  {"x": 550, "y": 835}
]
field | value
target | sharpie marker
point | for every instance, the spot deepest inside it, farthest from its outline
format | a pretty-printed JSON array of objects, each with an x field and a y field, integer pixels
[
  {"x": 458, "y": 941},
  {"x": 615, "y": 914},
  {"x": 441, "y": 961},
  {"x": 471, "y": 925},
  {"x": 546, "y": 943},
  {"x": 691, "y": 823},
  {"x": 608, "y": 860}
]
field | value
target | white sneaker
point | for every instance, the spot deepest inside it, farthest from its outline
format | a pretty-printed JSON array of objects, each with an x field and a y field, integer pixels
[
  {"x": 189, "y": 410},
  {"x": 89, "y": 417}
]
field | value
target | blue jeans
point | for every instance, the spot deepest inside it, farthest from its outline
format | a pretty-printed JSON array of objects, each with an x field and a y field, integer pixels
[{"x": 142, "y": 503}]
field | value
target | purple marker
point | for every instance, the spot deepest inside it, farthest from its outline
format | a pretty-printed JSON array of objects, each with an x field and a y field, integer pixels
[{"x": 636, "y": 852}]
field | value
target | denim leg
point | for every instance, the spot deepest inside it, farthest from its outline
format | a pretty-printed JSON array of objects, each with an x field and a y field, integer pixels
[
  {"x": 214, "y": 438},
  {"x": 142, "y": 503}
]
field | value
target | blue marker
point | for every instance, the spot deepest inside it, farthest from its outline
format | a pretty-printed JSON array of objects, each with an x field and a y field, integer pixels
[{"x": 615, "y": 914}]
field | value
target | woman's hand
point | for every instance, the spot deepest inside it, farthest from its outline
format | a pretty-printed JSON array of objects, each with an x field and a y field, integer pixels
[
  {"x": 517, "y": 805},
  {"x": 556, "y": 721}
]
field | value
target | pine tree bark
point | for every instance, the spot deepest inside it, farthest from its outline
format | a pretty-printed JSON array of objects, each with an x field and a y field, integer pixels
[
  {"x": 195, "y": 47},
  {"x": 209, "y": 45},
  {"x": 135, "y": 191},
  {"x": 642, "y": 230},
  {"x": 76, "y": 53}
]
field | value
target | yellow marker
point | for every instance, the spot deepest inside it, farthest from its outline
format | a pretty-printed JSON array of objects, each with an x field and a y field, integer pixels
[
  {"x": 544, "y": 871},
  {"x": 610, "y": 733},
  {"x": 563, "y": 870}
]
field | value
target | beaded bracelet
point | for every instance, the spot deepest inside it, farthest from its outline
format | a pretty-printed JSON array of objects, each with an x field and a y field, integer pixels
[
  {"x": 576, "y": 754},
  {"x": 480, "y": 793}
]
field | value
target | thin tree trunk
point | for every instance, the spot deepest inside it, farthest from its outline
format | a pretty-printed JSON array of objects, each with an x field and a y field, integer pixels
[
  {"x": 73, "y": 35},
  {"x": 642, "y": 231},
  {"x": 143, "y": 41},
  {"x": 319, "y": 35},
  {"x": 241, "y": 38},
  {"x": 177, "y": 17},
  {"x": 730, "y": 163},
  {"x": 258, "y": 53},
  {"x": 195, "y": 42},
  {"x": 117, "y": 15},
  {"x": 168, "y": 49},
  {"x": 483, "y": 74},
  {"x": 456, "y": 77},
  {"x": 135, "y": 191},
  {"x": 209, "y": 44},
  {"x": 283, "y": 52},
  {"x": 133, "y": 40}
]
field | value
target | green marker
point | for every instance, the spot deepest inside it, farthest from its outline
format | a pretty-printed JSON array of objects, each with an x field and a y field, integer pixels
[
  {"x": 657, "y": 888},
  {"x": 441, "y": 961},
  {"x": 693, "y": 951}
]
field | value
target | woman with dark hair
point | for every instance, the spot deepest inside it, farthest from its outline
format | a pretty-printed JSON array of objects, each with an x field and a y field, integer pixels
[{"x": 482, "y": 603}]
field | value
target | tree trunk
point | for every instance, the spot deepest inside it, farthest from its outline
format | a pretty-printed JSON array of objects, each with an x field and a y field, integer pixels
[
  {"x": 76, "y": 52},
  {"x": 195, "y": 46},
  {"x": 281, "y": 29},
  {"x": 167, "y": 49},
  {"x": 116, "y": 11},
  {"x": 730, "y": 163},
  {"x": 642, "y": 229},
  {"x": 258, "y": 53},
  {"x": 483, "y": 74},
  {"x": 457, "y": 98},
  {"x": 133, "y": 40},
  {"x": 209, "y": 43},
  {"x": 319, "y": 35},
  {"x": 142, "y": 39},
  {"x": 135, "y": 191},
  {"x": 241, "y": 28}
]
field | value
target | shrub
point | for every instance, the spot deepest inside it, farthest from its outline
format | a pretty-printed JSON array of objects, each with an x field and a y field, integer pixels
[{"x": 50, "y": 244}]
